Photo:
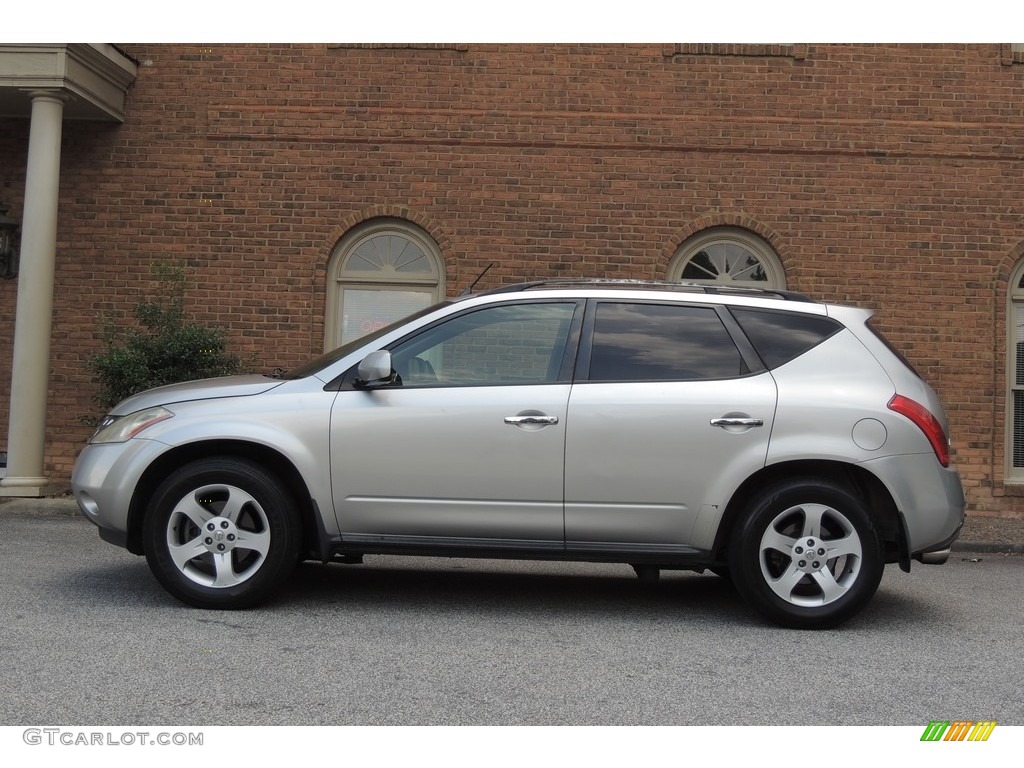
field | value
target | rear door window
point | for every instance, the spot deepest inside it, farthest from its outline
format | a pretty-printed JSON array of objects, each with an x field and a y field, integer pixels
[{"x": 661, "y": 342}]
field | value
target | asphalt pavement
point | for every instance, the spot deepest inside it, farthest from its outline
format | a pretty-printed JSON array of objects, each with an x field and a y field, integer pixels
[{"x": 88, "y": 636}]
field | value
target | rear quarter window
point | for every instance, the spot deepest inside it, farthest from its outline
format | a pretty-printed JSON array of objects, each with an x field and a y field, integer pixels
[
  {"x": 780, "y": 337},
  {"x": 888, "y": 345}
]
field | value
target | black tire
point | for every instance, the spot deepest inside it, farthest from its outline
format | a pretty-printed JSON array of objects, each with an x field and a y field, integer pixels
[
  {"x": 806, "y": 554},
  {"x": 722, "y": 572},
  {"x": 238, "y": 523}
]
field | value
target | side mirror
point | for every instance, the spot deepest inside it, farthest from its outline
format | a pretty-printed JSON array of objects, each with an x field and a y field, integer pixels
[{"x": 375, "y": 370}]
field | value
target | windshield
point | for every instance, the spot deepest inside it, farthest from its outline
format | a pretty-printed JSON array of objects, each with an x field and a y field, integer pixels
[{"x": 318, "y": 364}]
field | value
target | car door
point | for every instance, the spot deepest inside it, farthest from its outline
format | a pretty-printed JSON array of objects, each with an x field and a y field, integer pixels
[
  {"x": 468, "y": 443},
  {"x": 666, "y": 413}
]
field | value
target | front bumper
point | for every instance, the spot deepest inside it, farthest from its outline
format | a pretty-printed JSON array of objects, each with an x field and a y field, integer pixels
[{"x": 104, "y": 479}]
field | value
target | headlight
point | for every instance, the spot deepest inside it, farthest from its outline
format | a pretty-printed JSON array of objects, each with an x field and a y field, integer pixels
[{"x": 118, "y": 429}]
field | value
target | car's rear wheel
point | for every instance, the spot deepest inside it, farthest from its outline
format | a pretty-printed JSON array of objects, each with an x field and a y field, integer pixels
[
  {"x": 806, "y": 554},
  {"x": 221, "y": 533}
]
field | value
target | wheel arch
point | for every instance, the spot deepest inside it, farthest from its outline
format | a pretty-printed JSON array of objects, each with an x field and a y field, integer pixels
[
  {"x": 879, "y": 502},
  {"x": 274, "y": 461}
]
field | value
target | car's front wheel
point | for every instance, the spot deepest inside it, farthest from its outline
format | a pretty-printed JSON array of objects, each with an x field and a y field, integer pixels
[
  {"x": 221, "y": 533},
  {"x": 806, "y": 554}
]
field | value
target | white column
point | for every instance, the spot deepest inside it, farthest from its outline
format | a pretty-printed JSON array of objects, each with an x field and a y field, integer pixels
[{"x": 31, "y": 365}]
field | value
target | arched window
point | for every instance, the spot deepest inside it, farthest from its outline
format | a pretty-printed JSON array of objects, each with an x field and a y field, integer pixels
[
  {"x": 727, "y": 255},
  {"x": 380, "y": 272},
  {"x": 1015, "y": 361}
]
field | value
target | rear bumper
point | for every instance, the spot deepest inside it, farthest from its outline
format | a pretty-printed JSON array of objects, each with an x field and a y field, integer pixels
[
  {"x": 930, "y": 500},
  {"x": 937, "y": 557},
  {"x": 939, "y": 554}
]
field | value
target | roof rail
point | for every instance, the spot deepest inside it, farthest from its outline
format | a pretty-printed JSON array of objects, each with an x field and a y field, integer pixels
[{"x": 651, "y": 285}]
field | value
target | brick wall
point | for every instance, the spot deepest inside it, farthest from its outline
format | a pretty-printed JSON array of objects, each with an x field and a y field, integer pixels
[{"x": 885, "y": 176}]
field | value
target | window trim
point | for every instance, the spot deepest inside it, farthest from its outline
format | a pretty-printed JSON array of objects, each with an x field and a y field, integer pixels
[
  {"x": 1014, "y": 300},
  {"x": 769, "y": 259},
  {"x": 338, "y": 280}
]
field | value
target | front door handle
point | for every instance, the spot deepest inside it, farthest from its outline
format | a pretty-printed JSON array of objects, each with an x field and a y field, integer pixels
[
  {"x": 737, "y": 421},
  {"x": 531, "y": 419}
]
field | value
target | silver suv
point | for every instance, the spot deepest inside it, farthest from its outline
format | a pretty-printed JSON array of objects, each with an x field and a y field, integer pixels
[{"x": 775, "y": 441}]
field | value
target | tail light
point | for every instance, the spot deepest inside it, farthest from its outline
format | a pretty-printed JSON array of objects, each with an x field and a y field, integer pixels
[{"x": 926, "y": 422}]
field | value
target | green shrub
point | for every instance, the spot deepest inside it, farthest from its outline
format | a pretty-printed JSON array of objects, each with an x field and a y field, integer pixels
[{"x": 162, "y": 348}]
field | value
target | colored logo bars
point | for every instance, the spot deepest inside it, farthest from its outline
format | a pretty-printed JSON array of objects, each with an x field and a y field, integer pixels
[{"x": 958, "y": 730}]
